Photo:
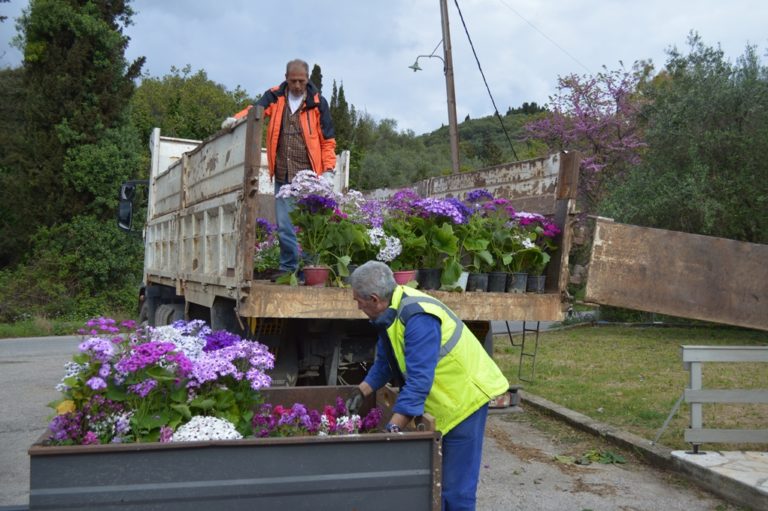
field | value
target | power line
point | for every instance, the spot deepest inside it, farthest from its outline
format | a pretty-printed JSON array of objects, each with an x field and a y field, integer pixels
[
  {"x": 493, "y": 102},
  {"x": 545, "y": 36}
]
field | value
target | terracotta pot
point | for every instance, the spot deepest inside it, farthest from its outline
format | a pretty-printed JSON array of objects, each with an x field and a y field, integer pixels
[
  {"x": 404, "y": 276},
  {"x": 316, "y": 275}
]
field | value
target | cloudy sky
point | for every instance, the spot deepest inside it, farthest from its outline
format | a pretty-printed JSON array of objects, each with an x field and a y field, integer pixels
[{"x": 522, "y": 45}]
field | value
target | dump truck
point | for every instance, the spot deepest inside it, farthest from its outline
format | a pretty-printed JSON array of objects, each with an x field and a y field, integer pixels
[{"x": 199, "y": 236}]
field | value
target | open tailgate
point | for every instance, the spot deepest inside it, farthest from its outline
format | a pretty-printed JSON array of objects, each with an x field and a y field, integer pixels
[{"x": 679, "y": 274}]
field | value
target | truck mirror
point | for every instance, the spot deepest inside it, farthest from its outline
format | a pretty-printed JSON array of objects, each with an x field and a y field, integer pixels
[
  {"x": 126, "y": 198},
  {"x": 125, "y": 214}
]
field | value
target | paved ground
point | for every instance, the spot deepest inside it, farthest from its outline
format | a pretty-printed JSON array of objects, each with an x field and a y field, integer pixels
[
  {"x": 520, "y": 472},
  {"x": 519, "y": 468}
]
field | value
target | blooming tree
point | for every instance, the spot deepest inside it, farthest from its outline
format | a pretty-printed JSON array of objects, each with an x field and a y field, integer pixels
[{"x": 597, "y": 116}]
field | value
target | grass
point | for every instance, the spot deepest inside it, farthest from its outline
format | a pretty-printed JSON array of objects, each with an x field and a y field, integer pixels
[
  {"x": 38, "y": 326},
  {"x": 630, "y": 377}
]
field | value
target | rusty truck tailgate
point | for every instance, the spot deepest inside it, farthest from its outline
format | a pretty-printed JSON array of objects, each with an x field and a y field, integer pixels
[{"x": 679, "y": 274}]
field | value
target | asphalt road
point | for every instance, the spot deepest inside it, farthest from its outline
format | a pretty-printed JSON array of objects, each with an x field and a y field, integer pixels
[
  {"x": 519, "y": 471},
  {"x": 29, "y": 370}
]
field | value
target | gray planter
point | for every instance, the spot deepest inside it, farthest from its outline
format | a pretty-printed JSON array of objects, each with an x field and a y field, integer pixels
[{"x": 368, "y": 471}]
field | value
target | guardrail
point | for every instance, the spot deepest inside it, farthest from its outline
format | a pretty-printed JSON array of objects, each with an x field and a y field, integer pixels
[{"x": 693, "y": 359}]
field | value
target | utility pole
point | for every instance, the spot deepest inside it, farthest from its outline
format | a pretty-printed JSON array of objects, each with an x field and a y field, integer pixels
[{"x": 453, "y": 127}]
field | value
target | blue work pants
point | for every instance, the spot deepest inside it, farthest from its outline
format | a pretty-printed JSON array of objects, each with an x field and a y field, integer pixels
[
  {"x": 462, "y": 453},
  {"x": 286, "y": 235}
]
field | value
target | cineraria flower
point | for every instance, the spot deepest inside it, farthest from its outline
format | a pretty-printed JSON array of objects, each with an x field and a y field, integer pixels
[
  {"x": 306, "y": 183},
  {"x": 373, "y": 213},
  {"x": 317, "y": 204},
  {"x": 100, "y": 349},
  {"x": 220, "y": 339},
  {"x": 403, "y": 200},
  {"x": 143, "y": 388},
  {"x": 431, "y": 207},
  {"x": 201, "y": 428},
  {"x": 96, "y": 383},
  {"x": 479, "y": 195},
  {"x": 389, "y": 246}
]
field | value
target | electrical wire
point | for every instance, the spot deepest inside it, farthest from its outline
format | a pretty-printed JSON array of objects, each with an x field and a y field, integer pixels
[
  {"x": 493, "y": 102},
  {"x": 545, "y": 36}
]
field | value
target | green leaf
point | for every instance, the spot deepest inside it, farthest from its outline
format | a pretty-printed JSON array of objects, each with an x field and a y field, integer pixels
[
  {"x": 152, "y": 421},
  {"x": 179, "y": 395},
  {"x": 183, "y": 410},
  {"x": 203, "y": 403},
  {"x": 116, "y": 393},
  {"x": 160, "y": 374}
]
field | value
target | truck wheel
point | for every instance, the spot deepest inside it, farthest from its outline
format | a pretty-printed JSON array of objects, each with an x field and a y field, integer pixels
[
  {"x": 144, "y": 315},
  {"x": 168, "y": 313}
]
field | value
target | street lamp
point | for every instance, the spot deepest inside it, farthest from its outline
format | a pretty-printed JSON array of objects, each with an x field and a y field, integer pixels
[{"x": 453, "y": 129}]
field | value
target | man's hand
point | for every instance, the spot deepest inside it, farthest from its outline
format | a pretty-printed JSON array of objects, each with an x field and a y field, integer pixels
[
  {"x": 329, "y": 175},
  {"x": 355, "y": 402},
  {"x": 228, "y": 123}
]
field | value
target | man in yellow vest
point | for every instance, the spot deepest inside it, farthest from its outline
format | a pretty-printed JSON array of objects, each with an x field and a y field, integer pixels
[{"x": 440, "y": 367}]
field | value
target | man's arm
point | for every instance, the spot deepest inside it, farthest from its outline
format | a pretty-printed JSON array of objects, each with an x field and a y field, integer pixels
[
  {"x": 327, "y": 137},
  {"x": 379, "y": 374}
]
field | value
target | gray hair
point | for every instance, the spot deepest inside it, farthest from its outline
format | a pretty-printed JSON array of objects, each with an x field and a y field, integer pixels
[
  {"x": 373, "y": 277},
  {"x": 294, "y": 63}
]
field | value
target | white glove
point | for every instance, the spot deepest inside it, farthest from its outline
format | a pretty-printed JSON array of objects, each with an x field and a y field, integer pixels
[
  {"x": 228, "y": 123},
  {"x": 329, "y": 175}
]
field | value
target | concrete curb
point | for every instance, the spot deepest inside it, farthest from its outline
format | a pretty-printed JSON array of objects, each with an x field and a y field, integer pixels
[{"x": 657, "y": 455}]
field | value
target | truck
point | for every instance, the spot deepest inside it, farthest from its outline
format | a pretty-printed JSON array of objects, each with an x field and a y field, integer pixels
[{"x": 203, "y": 202}]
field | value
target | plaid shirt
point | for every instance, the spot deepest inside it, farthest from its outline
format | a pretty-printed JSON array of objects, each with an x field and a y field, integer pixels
[{"x": 291, "y": 149}]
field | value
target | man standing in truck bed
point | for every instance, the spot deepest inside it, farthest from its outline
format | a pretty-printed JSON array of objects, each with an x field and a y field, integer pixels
[{"x": 300, "y": 136}]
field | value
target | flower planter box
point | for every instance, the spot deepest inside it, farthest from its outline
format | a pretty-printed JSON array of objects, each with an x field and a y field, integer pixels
[{"x": 368, "y": 471}]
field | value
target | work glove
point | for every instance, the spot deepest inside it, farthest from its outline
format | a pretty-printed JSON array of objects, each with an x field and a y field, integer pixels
[
  {"x": 354, "y": 403},
  {"x": 228, "y": 123},
  {"x": 329, "y": 175}
]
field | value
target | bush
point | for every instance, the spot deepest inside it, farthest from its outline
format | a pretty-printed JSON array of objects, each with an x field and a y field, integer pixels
[{"x": 78, "y": 269}]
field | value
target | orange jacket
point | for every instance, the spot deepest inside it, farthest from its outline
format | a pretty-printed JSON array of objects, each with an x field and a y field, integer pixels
[{"x": 316, "y": 126}]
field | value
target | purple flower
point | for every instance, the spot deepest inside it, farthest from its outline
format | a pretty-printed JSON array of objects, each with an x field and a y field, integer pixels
[
  {"x": 317, "y": 204},
  {"x": 166, "y": 434},
  {"x": 220, "y": 339},
  {"x": 479, "y": 195},
  {"x": 96, "y": 383},
  {"x": 403, "y": 200},
  {"x": 431, "y": 207},
  {"x": 90, "y": 438},
  {"x": 371, "y": 420},
  {"x": 143, "y": 388}
]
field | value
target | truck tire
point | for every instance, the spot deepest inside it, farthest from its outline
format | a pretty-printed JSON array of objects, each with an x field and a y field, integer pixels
[
  {"x": 167, "y": 313},
  {"x": 144, "y": 315}
]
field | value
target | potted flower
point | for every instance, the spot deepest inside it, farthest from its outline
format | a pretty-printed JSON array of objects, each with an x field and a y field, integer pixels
[
  {"x": 539, "y": 232},
  {"x": 435, "y": 219},
  {"x": 266, "y": 254}
]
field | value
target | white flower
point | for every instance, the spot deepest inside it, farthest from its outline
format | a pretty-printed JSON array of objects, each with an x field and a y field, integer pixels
[{"x": 201, "y": 428}]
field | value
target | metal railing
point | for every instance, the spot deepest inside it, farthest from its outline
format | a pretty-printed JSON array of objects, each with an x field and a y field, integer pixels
[{"x": 695, "y": 395}]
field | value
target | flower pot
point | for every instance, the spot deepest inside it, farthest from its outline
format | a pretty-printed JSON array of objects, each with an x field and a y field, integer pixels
[
  {"x": 516, "y": 282},
  {"x": 477, "y": 282},
  {"x": 404, "y": 276},
  {"x": 536, "y": 283},
  {"x": 497, "y": 281},
  {"x": 462, "y": 282},
  {"x": 428, "y": 278},
  {"x": 316, "y": 275}
]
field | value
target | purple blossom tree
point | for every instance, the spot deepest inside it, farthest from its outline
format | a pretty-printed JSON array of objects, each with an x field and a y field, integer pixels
[{"x": 597, "y": 116}]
